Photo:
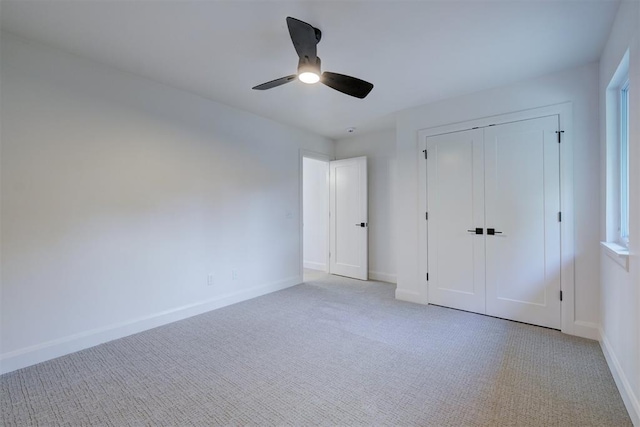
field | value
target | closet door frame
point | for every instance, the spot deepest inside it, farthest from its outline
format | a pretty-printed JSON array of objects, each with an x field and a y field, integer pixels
[{"x": 567, "y": 250}]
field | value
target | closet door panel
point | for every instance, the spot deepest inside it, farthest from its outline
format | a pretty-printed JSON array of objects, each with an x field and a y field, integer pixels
[
  {"x": 455, "y": 204},
  {"x": 522, "y": 204}
]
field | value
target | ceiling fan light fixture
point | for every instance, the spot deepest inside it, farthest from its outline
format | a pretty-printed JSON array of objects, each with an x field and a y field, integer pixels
[
  {"x": 309, "y": 70},
  {"x": 309, "y": 77}
]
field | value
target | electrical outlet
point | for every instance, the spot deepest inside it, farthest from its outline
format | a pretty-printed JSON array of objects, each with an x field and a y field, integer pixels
[
  {"x": 210, "y": 279},
  {"x": 234, "y": 274}
]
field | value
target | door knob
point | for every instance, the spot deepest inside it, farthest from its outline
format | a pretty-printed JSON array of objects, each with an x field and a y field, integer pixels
[
  {"x": 492, "y": 231},
  {"x": 478, "y": 230},
  {"x": 362, "y": 224}
]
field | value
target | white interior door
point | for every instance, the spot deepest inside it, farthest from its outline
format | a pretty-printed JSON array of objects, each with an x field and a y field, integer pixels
[
  {"x": 503, "y": 180},
  {"x": 349, "y": 218},
  {"x": 455, "y": 205},
  {"x": 522, "y": 199}
]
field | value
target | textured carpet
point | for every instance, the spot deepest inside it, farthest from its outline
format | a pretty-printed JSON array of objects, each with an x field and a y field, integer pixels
[{"x": 331, "y": 351}]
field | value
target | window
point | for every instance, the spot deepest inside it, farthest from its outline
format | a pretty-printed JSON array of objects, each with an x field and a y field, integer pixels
[
  {"x": 624, "y": 163},
  {"x": 617, "y": 120}
]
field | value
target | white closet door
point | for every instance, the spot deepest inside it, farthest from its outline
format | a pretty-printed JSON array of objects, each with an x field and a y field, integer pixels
[
  {"x": 455, "y": 205},
  {"x": 349, "y": 223},
  {"x": 522, "y": 202}
]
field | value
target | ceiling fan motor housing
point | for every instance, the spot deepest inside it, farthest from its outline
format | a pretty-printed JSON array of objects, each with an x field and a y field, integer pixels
[{"x": 307, "y": 65}]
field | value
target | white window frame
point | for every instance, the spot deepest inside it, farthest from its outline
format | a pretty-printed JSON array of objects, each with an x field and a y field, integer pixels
[
  {"x": 616, "y": 243},
  {"x": 623, "y": 159}
]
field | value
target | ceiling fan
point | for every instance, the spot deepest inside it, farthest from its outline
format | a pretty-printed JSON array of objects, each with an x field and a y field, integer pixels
[{"x": 305, "y": 39}]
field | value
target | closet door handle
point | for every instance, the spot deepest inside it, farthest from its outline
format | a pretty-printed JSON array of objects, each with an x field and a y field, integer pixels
[
  {"x": 492, "y": 231},
  {"x": 476, "y": 231}
]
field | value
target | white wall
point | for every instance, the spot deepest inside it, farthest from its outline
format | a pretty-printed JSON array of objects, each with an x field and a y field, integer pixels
[
  {"x": 315, "y": 197},
  {"x": 120, "y": 195},
  {"x": 380, "y": 149},
  {"x": 620, "y": 296},
  {"x": 578, "y": 86}
]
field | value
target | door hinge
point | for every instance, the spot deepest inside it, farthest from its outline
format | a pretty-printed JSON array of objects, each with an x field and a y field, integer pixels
[
  {"x": 426, "y": 216},
  {"x": 560, "y": 295},
  {"x": 559, "y": 216},
  {"x": 427, "y": 277},
  {"x": 425, "y": 153},
  {"x": 329, "y": 254},
  {"x": 559, "y": 132}
]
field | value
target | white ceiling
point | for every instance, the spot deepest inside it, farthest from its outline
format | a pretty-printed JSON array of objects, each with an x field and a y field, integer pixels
[{"x": 414, "y": 52}]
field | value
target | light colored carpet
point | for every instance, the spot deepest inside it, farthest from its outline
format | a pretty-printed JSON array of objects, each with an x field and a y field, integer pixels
[
  {"x": 332, "y": 351},
  {"x": 314, "y": 275}
]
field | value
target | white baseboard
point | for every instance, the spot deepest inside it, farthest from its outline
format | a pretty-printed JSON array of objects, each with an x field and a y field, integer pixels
[
  {"x": 382, "y": 277},
  {"x": 409, "y": 296},
  {"x": 586, "y": 330},
  {"x": 628, "y": 397},
  {"x": 314, "y": 265},
  {"x": 38, "y": 353}
]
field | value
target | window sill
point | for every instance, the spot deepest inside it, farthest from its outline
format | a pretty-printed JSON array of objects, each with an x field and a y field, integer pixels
[{"x": 616, "y": 252}]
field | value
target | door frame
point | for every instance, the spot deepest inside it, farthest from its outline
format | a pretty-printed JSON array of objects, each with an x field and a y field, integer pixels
[
  {"x": 564, "y": 112},
  {"x": 316, "y": 156}
]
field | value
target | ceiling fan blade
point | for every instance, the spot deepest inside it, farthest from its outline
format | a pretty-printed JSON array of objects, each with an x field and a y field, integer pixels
[
  {"x": 276, "y": 82},
  {"x": 304, "y": 38},
  {"x": 346, "y": 84}
]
